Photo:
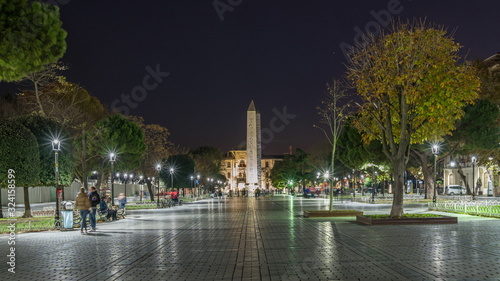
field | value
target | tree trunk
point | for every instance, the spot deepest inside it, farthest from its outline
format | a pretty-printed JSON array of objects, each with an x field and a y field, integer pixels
[
  {"x": 428, "y": 178},
  {"x": 27, "y": 207},
  {"x": 464, "y": 179},
  {"x": 150, "y": 189},
  {"x": 1, "y": 210},
  {"x": 398, "y": 189},
  {"x": 332, "y": 175},
  {"x": 38, "y": 101},
  {"x": 84, "y": 160}
]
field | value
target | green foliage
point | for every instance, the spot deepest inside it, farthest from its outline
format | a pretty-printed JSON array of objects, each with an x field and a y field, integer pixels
[
  {"x": 45, "y": 130},
  {"x": 477, "y": 129},
  {"x": 295, "y": 168},
  {"x": 405, "y": 216},
  {"x": 32, "y": 36},
  {"x": 19, "y": 152},
  {"x": 413, "y": 90},
  {"x": 208, "y": 161},
  {"x": 183, "y": 166},
  {"x": 411, "y": 84},
  {"x": 125, "y": 137}
]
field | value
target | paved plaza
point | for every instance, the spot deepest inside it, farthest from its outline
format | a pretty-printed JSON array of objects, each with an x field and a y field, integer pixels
[{"x": 259, "y": 239}]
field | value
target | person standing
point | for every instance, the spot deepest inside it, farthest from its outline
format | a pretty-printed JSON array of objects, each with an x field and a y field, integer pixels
[
  {"x": 82, "y": 203},
  {"x": 95, "y": 199}
]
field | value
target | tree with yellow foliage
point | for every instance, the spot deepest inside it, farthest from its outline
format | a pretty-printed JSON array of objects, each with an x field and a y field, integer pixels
[{"x": 413, "y": 89}]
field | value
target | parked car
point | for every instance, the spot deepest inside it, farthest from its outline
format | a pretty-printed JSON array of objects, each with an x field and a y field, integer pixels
[{"x": 455, "y": 190}]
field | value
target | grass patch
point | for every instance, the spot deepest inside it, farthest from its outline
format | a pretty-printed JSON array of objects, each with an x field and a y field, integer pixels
[
  {"x": 141, "y": 206},
  {"x": 27, "y": 224},
  {"x": 405, "y": 216},
  {"x": 333, "y": 211}
]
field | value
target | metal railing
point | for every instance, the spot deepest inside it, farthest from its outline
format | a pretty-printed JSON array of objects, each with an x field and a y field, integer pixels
[{"x": 481, "y": 208}]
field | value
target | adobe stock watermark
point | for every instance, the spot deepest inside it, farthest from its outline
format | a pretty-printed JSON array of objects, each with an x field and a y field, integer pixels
[
  {"x": 381, "y": 20},
  {"x": 277, "y": 124},
  {"x": 222, "y": 6},
  {"x": 11, "y": 212},
  {"x": 139, "y": 93}
]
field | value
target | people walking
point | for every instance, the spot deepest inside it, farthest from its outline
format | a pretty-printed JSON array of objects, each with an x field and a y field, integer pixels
[
  {"x": 95, "y": 199},
  {"x": 82, "y": 203},
  {"x": 122, "y": 201}
]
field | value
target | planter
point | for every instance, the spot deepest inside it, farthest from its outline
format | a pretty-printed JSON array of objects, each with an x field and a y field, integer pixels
[
  {"x": 334, "y": 213},
  {"x": 388, "y": 221}
]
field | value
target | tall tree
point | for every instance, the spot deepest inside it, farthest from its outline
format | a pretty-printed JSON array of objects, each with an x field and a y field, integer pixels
[
  {"x": 413, "y": 90},
  {"x": 158, "y": 148},
  {"x": 45, "y": 130},
  {"x": 208, "y": 161},
  {"x": 334, "y": 112},
  {"x": 73, "y": 107},
  {"x": 32, "y": 36},
  {"x": 19, "y": 153},
  {"x": 183, "y": 169},
  {"x": 40, "y": 79},
  {"x": 124, "y": 137}
]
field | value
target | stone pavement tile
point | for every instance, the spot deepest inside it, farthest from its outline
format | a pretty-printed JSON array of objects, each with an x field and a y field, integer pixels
[{"x": 263, "y": 239}]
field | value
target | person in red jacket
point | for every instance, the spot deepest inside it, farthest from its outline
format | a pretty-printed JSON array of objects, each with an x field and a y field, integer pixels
[{"x": 174, "y": 196}]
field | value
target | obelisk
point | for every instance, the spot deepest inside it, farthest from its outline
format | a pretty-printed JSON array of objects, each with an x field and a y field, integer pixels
[{"x": 253, "y": 149}]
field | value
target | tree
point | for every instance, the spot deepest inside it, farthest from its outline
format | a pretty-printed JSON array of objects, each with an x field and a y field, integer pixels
[
  {"x": 476, "y": 132},
  {"x": 158, "y": 149},
  {"x": 334, "y": 112},
  {"x": 208, "y": 161},
  {"x": 19, "y": 153},
  {"x": 294, "y": 168},
  {"x": 77, "y": 111},
  {"x": 117, "y": 134},
  {"x": 183, "y": 169},
  {"x": 413, "y": 90},
  {"x": 45, "y": 130},
  {"x": 40, "y": 79},
  {"x": 32, "y": 37}
]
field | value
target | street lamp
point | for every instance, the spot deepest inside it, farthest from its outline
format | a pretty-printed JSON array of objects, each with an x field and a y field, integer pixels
[
  {"x": 435, "y": 151},
  {"x": 192, "y": 185},
  {"x": 142, "y": 185},
  {"x": 374, "y": 185},
  {"x": 56, "y": 147},
  {"x": 158, "y": 169},
  {"x": 198, "y": 182},
  {"x": 125, "y": 181},
  {"x": 112, "y": 159},
  {"x": 172, "y": 180},
  {"x": 362, "y": 185},
  {"x": 473, "y": 160}
]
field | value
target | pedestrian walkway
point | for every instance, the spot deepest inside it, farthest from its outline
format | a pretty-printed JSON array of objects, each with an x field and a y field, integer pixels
[{"x": 259, "y": 239}]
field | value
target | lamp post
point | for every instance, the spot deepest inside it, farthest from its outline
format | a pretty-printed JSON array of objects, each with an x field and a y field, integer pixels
[
  {"x": 142, "y": 185},
  {"x": 362, "y": 186},
  {"x": 172, "y": 180},
  {"x": 192, "y": 184},
  {"x": 198, "y": 182},
  {"x": 473, "y": 160},
  {"x": 125, "y": 181},
  {"x": 112, "y": 159},
  {"x": 374, "y": 186},
  {"x": 56, "y": 147},
  {"x": 327, "y": 179},
  {"x": 435, "y": 151},
  {"x": 158, "y": 169}
]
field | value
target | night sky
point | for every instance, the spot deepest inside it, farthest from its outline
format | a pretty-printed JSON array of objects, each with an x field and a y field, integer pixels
[{"x": 277, "y": 53}]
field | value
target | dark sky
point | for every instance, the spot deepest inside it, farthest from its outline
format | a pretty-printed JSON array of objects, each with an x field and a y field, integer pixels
[{"x": 278, "y": 53}]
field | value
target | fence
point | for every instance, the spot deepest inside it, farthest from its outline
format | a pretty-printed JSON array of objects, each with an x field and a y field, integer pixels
[
  {"x": 387, "y": 198},
  {"x": 483, "y": 208}
]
